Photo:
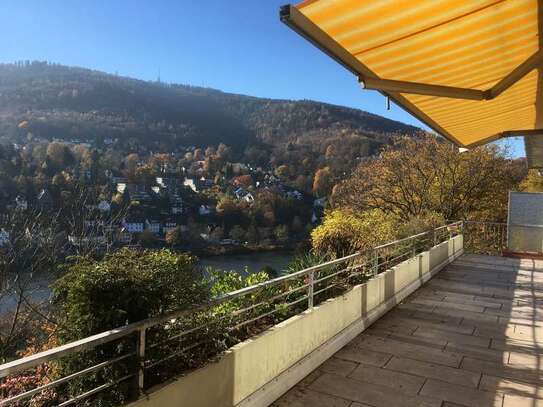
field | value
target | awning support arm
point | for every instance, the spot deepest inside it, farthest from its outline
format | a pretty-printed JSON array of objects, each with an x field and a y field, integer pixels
[
  {"x": 421, "y": 89},
  {"x": 517, "y": 74},
  {"x": 416, "y": 88},
  {"x": 508, "y": 133}
]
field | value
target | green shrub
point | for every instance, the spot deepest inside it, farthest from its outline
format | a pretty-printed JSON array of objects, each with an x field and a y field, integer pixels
[{"x": 126, "y": 286}]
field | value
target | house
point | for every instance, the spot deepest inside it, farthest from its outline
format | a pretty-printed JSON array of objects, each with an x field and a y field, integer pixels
[
  {"x": 169, "y": 225},
  {"x": 134, "y": 225},
  {"x": 228, "y": 242},
  {"x": 242, "y": 194},
  {"x": 124, "y": 236},
  {"x": 176, "y": 207},
  {"x": 152, "y": 226},
  {"x": 136, "y": 192},
  {"x": 249, "y": 197},
  {"x": 189, "y": 182},
  {"x": 21, "y": 204},
  {"x": 204, "y": 183},
  {"x": 166, "y": 182},
  {"x": 239, "y": 193},
  {"x": 4, "y": 238},
  {"x": 104, "y": 206}
]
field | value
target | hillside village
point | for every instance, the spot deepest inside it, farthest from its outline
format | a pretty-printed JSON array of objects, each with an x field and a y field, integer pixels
[
  {"x": 175, "y": 200},
  {"x": 115, "y": 161}
]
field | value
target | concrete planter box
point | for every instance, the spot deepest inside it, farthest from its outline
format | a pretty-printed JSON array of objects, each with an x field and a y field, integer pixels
[{"x": 259, "y": 370}]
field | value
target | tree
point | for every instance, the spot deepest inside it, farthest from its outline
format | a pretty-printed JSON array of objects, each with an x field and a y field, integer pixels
[
  {"x": 237, "y": 233},
  {"x": 281, "y": 233},
  {"x": 330, "y": 152},
  {"x": 322, "y": 183},
  {"x": 282, "y": 171},
  {"x": 415, "y": 176},
  {"x": 33, "y": 254},
  {"x": 533, "y": 182},
  {"x": 131, "y": 163},
  {"x": 344, "y": 232},
  {"x": 146, "y": 175},
  {"x": 252, "y": 234},
  {"x": 59, "y": 155},
  {"x": 174, "y": 237}
]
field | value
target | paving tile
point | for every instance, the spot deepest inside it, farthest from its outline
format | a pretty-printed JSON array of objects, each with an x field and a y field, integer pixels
[
  {"x": 449, "y": 305},
  {"x": 453, "y": 337},
  {"x": 460, "y": 394},
  {"x": 338, "y": 366},
  {"x": 310, "y": 378},
  {"x": 430, "y": 370},
  {"x": 489, "y": 300},
  {"x": 432, "y": 317},
  {"x": 501, "y": 370},
  {"x": 492, "y": 355},
  {"x": 366, "y": 356},
  {"x": 511, "y": 387},
  {"x": 372, "y": 394},
  {"x": 397, "y": 380},
  {"x": 517, "y": 401},
  {"x": 497, "y": 331},
  {"x": 302, "y": 397},
  {"x": 529, "y": 360},
  {"x": 516, "y": 345},
  {"x": 415, "y": 340},
  {"x": 408, "y": 350},
  {"x": 413, "y": 322},
  {"x": 472, "y": 318}
]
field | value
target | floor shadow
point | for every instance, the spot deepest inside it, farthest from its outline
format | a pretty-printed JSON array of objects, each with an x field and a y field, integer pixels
[{"x": 470, "y": 336}]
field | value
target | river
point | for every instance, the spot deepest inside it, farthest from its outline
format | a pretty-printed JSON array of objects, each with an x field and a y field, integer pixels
[
  {"x": 39, "y": 290},
  {"x": 253, "y": 262}
]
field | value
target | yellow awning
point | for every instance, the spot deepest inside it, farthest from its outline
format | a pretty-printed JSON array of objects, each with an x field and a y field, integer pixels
[{"x": 469, "y": 69}]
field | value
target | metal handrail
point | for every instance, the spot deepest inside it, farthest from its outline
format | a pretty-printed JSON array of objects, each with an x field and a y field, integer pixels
[{"x": 141, "y": 327}]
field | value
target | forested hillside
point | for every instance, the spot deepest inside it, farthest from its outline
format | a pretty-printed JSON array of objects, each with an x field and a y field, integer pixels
[{"x": 49, "y": 101}]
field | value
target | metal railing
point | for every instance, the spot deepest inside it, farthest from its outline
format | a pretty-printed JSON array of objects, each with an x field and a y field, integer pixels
[
  {"x": 485, "y": 237},
  {"x": 495, "y": 238},
  {"x": 121, "y": 364}
]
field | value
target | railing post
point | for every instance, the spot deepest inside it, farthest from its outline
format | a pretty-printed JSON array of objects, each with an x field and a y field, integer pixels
[
  {"x": 141, "y": 359},
  {"x": 375, "y": 262},
  {"x": 310, "y": 289}
]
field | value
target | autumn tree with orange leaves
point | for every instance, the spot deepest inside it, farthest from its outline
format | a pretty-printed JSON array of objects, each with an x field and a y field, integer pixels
[{"x": 427, "y": 175}]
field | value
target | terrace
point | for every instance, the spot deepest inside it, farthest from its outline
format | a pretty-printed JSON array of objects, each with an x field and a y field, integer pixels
[
  {"x": 436, "y": 319},
  {"x": 471, "y": 336},
  {"x": 467, "y": 336}
]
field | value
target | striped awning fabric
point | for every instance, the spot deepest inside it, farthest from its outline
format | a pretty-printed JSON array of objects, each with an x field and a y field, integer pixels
[{"x": 471, "y": 70}]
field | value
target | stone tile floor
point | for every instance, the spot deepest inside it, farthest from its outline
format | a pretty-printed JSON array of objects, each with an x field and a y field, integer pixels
[{"x": 471, "y": 336}]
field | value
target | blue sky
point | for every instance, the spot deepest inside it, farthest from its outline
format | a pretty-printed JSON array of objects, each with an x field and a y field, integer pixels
[{"x": 234, "y": 45}]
